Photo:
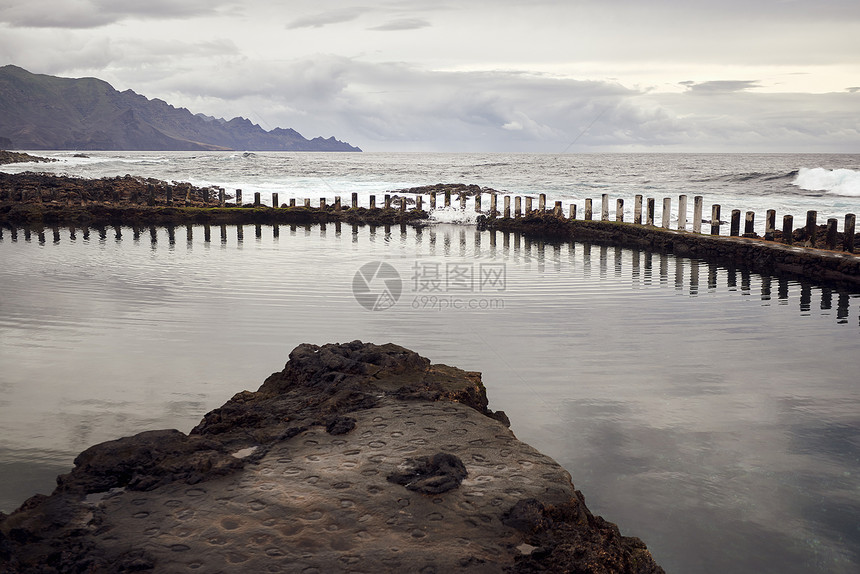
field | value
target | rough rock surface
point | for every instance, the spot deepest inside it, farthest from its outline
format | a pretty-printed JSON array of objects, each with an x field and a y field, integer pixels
[{"x": 354, "y": 458}]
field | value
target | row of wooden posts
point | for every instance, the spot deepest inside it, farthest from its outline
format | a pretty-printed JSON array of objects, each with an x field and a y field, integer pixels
[{"x": 648, "y": 214}]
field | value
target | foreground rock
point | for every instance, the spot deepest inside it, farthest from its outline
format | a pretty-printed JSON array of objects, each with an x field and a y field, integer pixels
[{"x": 356, "y": 457}]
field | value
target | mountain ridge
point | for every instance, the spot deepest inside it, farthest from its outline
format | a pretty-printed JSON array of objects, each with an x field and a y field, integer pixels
[{"x": 40, "y": 112}]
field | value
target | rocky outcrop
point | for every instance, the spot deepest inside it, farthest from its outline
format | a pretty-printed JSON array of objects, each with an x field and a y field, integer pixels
[
  {"x": 356, "y": 457},
  {"x": 46, "y": 112},
  {"x": 15, "y": 157}
]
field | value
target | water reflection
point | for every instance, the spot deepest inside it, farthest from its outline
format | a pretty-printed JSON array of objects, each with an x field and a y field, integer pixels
[{"x": 683, "y": 274}]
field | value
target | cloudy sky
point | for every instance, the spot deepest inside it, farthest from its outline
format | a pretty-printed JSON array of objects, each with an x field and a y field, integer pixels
[{"x": 476, "y": 75}]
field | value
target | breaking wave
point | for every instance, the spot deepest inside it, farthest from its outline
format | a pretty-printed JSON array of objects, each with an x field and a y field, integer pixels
[{"x": 845, "y": 182}]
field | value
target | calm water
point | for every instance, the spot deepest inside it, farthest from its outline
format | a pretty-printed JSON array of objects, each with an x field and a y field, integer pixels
[{"x": 712, "y": 412}]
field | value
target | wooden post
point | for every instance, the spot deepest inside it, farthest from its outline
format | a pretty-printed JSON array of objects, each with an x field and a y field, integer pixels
[
  {"x": 749, "y": 224},
  {"x": 256, "y": 199},
  {"x": 682, "y": 213},
  {"x": 698, "y": 205},
  {"x": 667, "y": 211},
  {"x": 387, "y": 201},
  {"x": 619, "y": 210},
  {"x": 354, "y": 200},
  {"x": 518, "y": 202},
  {"x": 528, "y": 205},
  {"x": 432, "y": 200},
  {"x": 848, "y": 239},
  {"x": 478, "y": 202},
  {"x": 337, "y": 203},
  {"x": 493, "y": 205},
  {"x": 322, "y": 203},
  {"x": 572, "y": 211},
  {"x": 588, "y": 209},
  {"x": 557, "y": 209},
  {"x": 542, "y": 202},
  {"x": 788, "y": 229},
  {"x": 637, "y": 210},
  {"x": 238, "y": 198},
  {"x": 463, "y": 201},
  {"x": 372, "y": 202},
  {"x": 507, "y": 207},
  {"x": 275, "y": 203},
  {"x": 419, "y": 202},
  {"x": 770, "y": 224},
  {"x": 604, "y": 207},
  {"x": 649, "y": 215},
  {"x": 831, "y": 233},
  {"x": 447, "y": 198},
  {"x": 715, "y": 219},
  {"x": 811, "y": 226},
  {"x": 735, "y": 228}
]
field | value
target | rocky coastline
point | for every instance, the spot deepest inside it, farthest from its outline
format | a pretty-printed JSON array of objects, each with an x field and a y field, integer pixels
[{"x": 355, "y": 457}]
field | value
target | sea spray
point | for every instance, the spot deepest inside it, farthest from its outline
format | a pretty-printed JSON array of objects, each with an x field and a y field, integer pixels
[{"x": 844, "y": 182}]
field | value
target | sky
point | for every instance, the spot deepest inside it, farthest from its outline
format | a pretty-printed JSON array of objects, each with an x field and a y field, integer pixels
[{"x": 476, "y": 76}]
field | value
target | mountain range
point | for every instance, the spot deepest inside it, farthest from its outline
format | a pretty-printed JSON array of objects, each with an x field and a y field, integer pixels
[{"x": 41, "y": 112}]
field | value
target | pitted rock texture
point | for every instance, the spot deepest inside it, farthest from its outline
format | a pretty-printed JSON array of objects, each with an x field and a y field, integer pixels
[{"x": 309, "y": 500}]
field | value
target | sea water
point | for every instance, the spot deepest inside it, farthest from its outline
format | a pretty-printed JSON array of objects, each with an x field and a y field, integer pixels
[{"x": 711, "y": 411}]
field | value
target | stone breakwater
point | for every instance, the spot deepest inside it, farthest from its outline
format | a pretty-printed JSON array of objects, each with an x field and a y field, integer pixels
[
  {"x": 35, "y": 200},
  {"x": 355, "y": 458}
]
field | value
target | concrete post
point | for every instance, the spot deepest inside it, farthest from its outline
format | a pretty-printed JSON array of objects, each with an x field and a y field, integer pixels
[
  {"x": 493, "y": 205},
  {"x": 275, "y": 203},
  {"x": 619, "y": 210},
  {"x": 292, "y": 202},
  {"x": 463, "y": 201},
  {"x": 749, "y": 224},
  {"x": 542, "y": 202},
  {"x": 322, "y": 203},
  {"x": 402, "y": 205},
  {"x": 682, "y": 213},
  {"x": 432, "y": 200},
  {"x": 557, "y": 209},
  {"x": 698, "y": 204},
  {"x": 238, "y": 198},
  {"x": 222, "y": 198},
  {"x": 572, "y": 215},
  {"x": 528, "y": 205},
  {"x": 588, "y": 209},
  {"x": 770, "y": 224},
  {"x": 256, "y": 199},
  {"x": 667, "y": 211},
  {"x": 604, "y": 207},
  {"x": 637, "y": 210},
  {"x": 848, "y": 240},
  {"x": 354, "y": 200},
  {"x": 518, "y": 203},
  {"x": 788, "y": 229},
  {"x": 831, "y": 233},
  {"x": 507, "y": 207},
  {"x": 447, "y": 198},
  {"x": 715, "y": 219},
  {"x": 811, "y": 226},
  {"x": 478, "y": 202},
  {"x": 649, "y": 215},
  {"x": 419, "y": 202},
  {"x": 387, "y": 201},
  {"x": 735, "y": 228},
  {"x": 372, "y": 202}
]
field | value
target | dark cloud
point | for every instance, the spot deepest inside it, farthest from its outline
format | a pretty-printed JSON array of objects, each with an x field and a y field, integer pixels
[
  {"x": 83, "y": 14},
  {"x": 402, "y": 24},
  {"x": 720, "y": 86},
  {"x": 321, "y": 19}
]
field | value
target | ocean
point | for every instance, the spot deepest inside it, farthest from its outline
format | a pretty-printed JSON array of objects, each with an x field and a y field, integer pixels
[{"x": 709, "y": 410}]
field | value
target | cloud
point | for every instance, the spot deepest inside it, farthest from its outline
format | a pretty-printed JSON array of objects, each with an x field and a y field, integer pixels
[
  {"x": 83, "y": 14},
  {"x": 720, "y": 86},
  {"x": 321, "y": 19},
  {"x": 402, "y": 24}
]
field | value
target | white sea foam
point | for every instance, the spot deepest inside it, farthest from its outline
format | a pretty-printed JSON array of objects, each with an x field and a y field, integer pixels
[
  {"x": 454, "y": 215},
  {"x": 844, "y": 182}
]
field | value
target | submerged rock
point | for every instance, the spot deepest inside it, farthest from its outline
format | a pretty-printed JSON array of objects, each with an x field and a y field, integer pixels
[{"x": 356, "y": 457}]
